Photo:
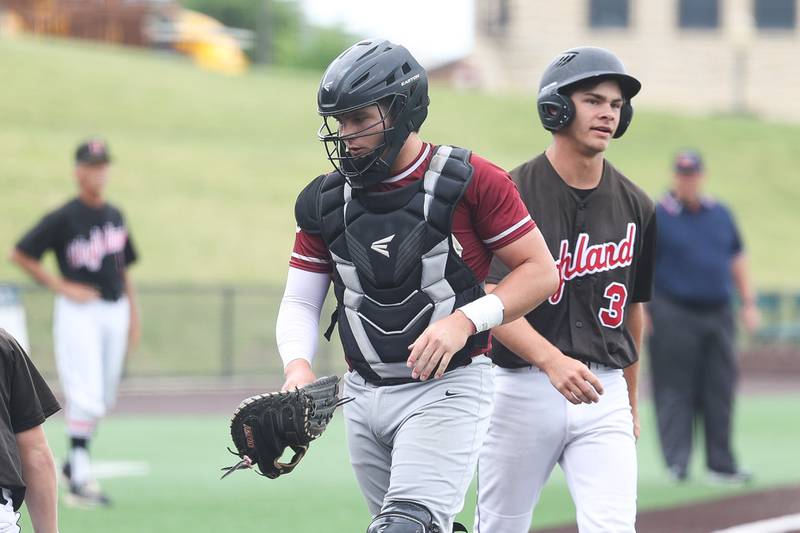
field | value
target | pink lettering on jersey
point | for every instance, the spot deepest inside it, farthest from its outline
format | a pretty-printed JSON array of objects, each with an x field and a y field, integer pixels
[
  {"x": 587, "y": 259},
  {"x": 89, "y": 253}
]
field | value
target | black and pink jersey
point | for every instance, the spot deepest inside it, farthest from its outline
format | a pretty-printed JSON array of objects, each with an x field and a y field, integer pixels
[
  {"x": 604, "y": 244},
  {"x": 93, "y": 245},
  {"x": 490, "y": 215}
]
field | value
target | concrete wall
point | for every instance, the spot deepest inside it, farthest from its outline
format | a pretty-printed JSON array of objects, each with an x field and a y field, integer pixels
[{"x": 715, "y": 70}]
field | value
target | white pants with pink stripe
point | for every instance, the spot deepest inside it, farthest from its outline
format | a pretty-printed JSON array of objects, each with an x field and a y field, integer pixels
[
  {"x": 90, "y": 344},
  {"x": 533, "y": 427}
]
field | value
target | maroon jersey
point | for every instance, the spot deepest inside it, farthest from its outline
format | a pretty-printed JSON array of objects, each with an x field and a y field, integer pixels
[
  {"x": 603, "y": 241},
  {"x": 490, "y": 216}
]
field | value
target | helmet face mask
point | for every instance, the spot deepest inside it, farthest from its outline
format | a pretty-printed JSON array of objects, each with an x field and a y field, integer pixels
[
  {"x": 371, "y": 73},
  {"x": 352, "y": 166}
]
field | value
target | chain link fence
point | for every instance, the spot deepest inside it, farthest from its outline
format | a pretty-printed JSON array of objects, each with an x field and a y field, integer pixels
[{"x": 187, "y": 330}]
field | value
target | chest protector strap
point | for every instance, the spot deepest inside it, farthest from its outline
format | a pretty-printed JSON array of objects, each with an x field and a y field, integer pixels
[{"x": 396, "y": 268}]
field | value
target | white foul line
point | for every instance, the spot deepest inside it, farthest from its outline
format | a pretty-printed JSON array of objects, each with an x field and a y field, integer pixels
[{"x": 782, "y": 524}]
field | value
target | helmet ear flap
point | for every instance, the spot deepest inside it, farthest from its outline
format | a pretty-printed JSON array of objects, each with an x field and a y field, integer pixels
[
  {"x": 555, "y": 111},
  {"x": 625, "y": 118}
]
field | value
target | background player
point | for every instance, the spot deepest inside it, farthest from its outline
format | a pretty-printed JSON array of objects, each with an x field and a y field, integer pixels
[
  {"x": 95, "y": 319},
  {"x": 699, "y": 259},
  {"x": 406, "y": 230},
  {"x": 600, "y": 226},
  {"x": 27, "y": 469}
]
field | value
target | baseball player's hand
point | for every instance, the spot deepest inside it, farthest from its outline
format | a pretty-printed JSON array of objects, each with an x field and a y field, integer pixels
[
  {"x": 573, "y": 379},
  {"x": 78, "y": 292},
  {"x": 298, "y": 373},
  {"x": 636, "y": 426},
  {"x": 433, "y": 350}
]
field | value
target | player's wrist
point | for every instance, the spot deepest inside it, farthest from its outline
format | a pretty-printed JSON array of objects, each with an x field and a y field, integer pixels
[
  {"x": 297, "y": 365},
  {"x": 484, "y": 313}
]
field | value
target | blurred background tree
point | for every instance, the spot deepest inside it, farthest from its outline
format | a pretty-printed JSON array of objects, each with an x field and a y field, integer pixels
[{"x": 283, "y": 36}]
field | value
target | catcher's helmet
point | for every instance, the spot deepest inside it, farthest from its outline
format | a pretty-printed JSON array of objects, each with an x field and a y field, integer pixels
[
  {"x": 574, "y": 66},
  {"x": 368, "y": 73}
]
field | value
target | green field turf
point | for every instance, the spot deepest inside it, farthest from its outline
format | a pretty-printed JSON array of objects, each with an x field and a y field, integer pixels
[
  {"x": 208, "y": 166},
  {"x": 183, "y": 493}
]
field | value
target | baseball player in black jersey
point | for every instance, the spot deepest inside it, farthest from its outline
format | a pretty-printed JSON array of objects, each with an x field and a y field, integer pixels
[
  {"x": 95, "y": 320},
  {"x": 566, "y": 374},
  {"x": 27, "y": 469}
]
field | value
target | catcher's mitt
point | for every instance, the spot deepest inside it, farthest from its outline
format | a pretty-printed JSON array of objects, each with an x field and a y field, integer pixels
[{"x": 263, "y": 426}]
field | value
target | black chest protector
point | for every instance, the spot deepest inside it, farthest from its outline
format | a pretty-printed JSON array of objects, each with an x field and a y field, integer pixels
[{"x": 395, "y": 267}]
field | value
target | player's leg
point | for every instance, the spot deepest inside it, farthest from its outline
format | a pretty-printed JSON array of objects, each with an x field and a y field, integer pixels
[
  {"x": 369, "y": 455},
  {"x": 115, "y": 346},
  {"x": 675, "y": 363},
  {"x": 78, "y": 349},
  {"x": 599, "y": 460},
  {"x": 719, "y": 385},
  {"x": 524, "y": 441},
  {"x": 436, "y": 443}
]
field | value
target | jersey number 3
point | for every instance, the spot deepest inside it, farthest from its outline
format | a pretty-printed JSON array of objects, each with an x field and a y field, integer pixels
[{"x": 611, "y": 316}]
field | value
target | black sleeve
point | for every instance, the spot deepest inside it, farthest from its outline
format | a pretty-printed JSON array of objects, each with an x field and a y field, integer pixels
[
  {"x": 645, "y": 264},
  {"x": 31, "y": 400},
  {"x": 306, "y": 211},
  {"x": 41, "y": 237},
  {"x": 737, "y": 246},
  {"x": 131, "y": 255}
]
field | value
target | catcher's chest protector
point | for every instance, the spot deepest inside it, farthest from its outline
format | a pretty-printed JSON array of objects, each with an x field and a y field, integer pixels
[{"x": 396, "y": 269}]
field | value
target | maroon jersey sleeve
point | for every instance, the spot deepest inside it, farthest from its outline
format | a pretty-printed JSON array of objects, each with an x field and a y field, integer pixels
[
  {"x": 498, "y": 213},
  {"x": 310, "y": 253}
]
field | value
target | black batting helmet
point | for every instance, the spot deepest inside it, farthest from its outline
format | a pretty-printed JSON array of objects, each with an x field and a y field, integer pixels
[
  {"x": 368, "y": 73},
  {"x": 577, "y": 65}
]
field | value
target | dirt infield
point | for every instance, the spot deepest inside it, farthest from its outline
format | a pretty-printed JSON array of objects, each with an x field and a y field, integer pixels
[{"x": 715, "y": 515}]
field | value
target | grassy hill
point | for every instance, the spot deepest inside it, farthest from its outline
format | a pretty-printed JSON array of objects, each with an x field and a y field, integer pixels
[{"x": 207, "y": 167}]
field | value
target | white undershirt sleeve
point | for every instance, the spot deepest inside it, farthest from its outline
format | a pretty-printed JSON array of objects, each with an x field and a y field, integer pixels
[{"x": 297, "y": 327}]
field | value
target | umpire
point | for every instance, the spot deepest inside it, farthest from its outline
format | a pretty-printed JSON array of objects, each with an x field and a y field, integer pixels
[{"x": 699, "y": 259}]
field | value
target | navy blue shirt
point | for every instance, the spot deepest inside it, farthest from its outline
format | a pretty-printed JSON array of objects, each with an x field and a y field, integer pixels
[{"x": 694, "y": 250}]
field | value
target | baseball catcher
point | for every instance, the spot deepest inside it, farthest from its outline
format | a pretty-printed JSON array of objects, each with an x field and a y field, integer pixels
[{"x": 263, "y": 426}]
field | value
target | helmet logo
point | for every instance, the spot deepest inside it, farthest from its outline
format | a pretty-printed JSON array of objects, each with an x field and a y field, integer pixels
[
  {"x": 563, "y": 59},
  {"x": 327, "y": 86},
  {"x": 409, "y": 80},
  {"x": 382, "y": 245}
]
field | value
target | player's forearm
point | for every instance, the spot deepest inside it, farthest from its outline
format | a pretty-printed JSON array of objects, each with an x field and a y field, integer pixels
[
  {"x": 631, "y": 374},
  {"x": 522, "y": 339},
  {"x": 34, "y": 268},
  {"x": 635, "y": 326},
  {"x": 39, "y": 473},
  {"x": 133, "y": 299},
  {"x": 533, "y": 277},
  {"x": 297, "y": 326}
]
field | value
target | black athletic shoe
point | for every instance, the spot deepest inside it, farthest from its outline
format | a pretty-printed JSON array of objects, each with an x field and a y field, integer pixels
[
  {"x": 678, "y": 475},
  {"x": 86, "y": 496},
  {"x": 738, "y": 477}
]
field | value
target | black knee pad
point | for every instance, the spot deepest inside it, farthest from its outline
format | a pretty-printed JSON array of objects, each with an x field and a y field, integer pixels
[{"x": 404, "y": 517}]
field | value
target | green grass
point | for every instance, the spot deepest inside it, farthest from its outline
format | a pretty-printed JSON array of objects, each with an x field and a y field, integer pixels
[
  {"x": 207, "y": 166},
  {"x": 183, "y": 492}
]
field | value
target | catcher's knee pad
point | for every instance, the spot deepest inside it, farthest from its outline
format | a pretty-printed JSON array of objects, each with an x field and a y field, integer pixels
[{"x": 404, "y": 516}]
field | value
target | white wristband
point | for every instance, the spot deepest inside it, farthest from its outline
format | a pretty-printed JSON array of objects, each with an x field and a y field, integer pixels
[{"x": 485, "y": 313}]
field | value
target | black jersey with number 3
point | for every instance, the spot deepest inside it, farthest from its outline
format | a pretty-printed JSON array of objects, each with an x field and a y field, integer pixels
[
  {"x": 92, "y": 245},
  {"x": 603, "y": 243}
]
